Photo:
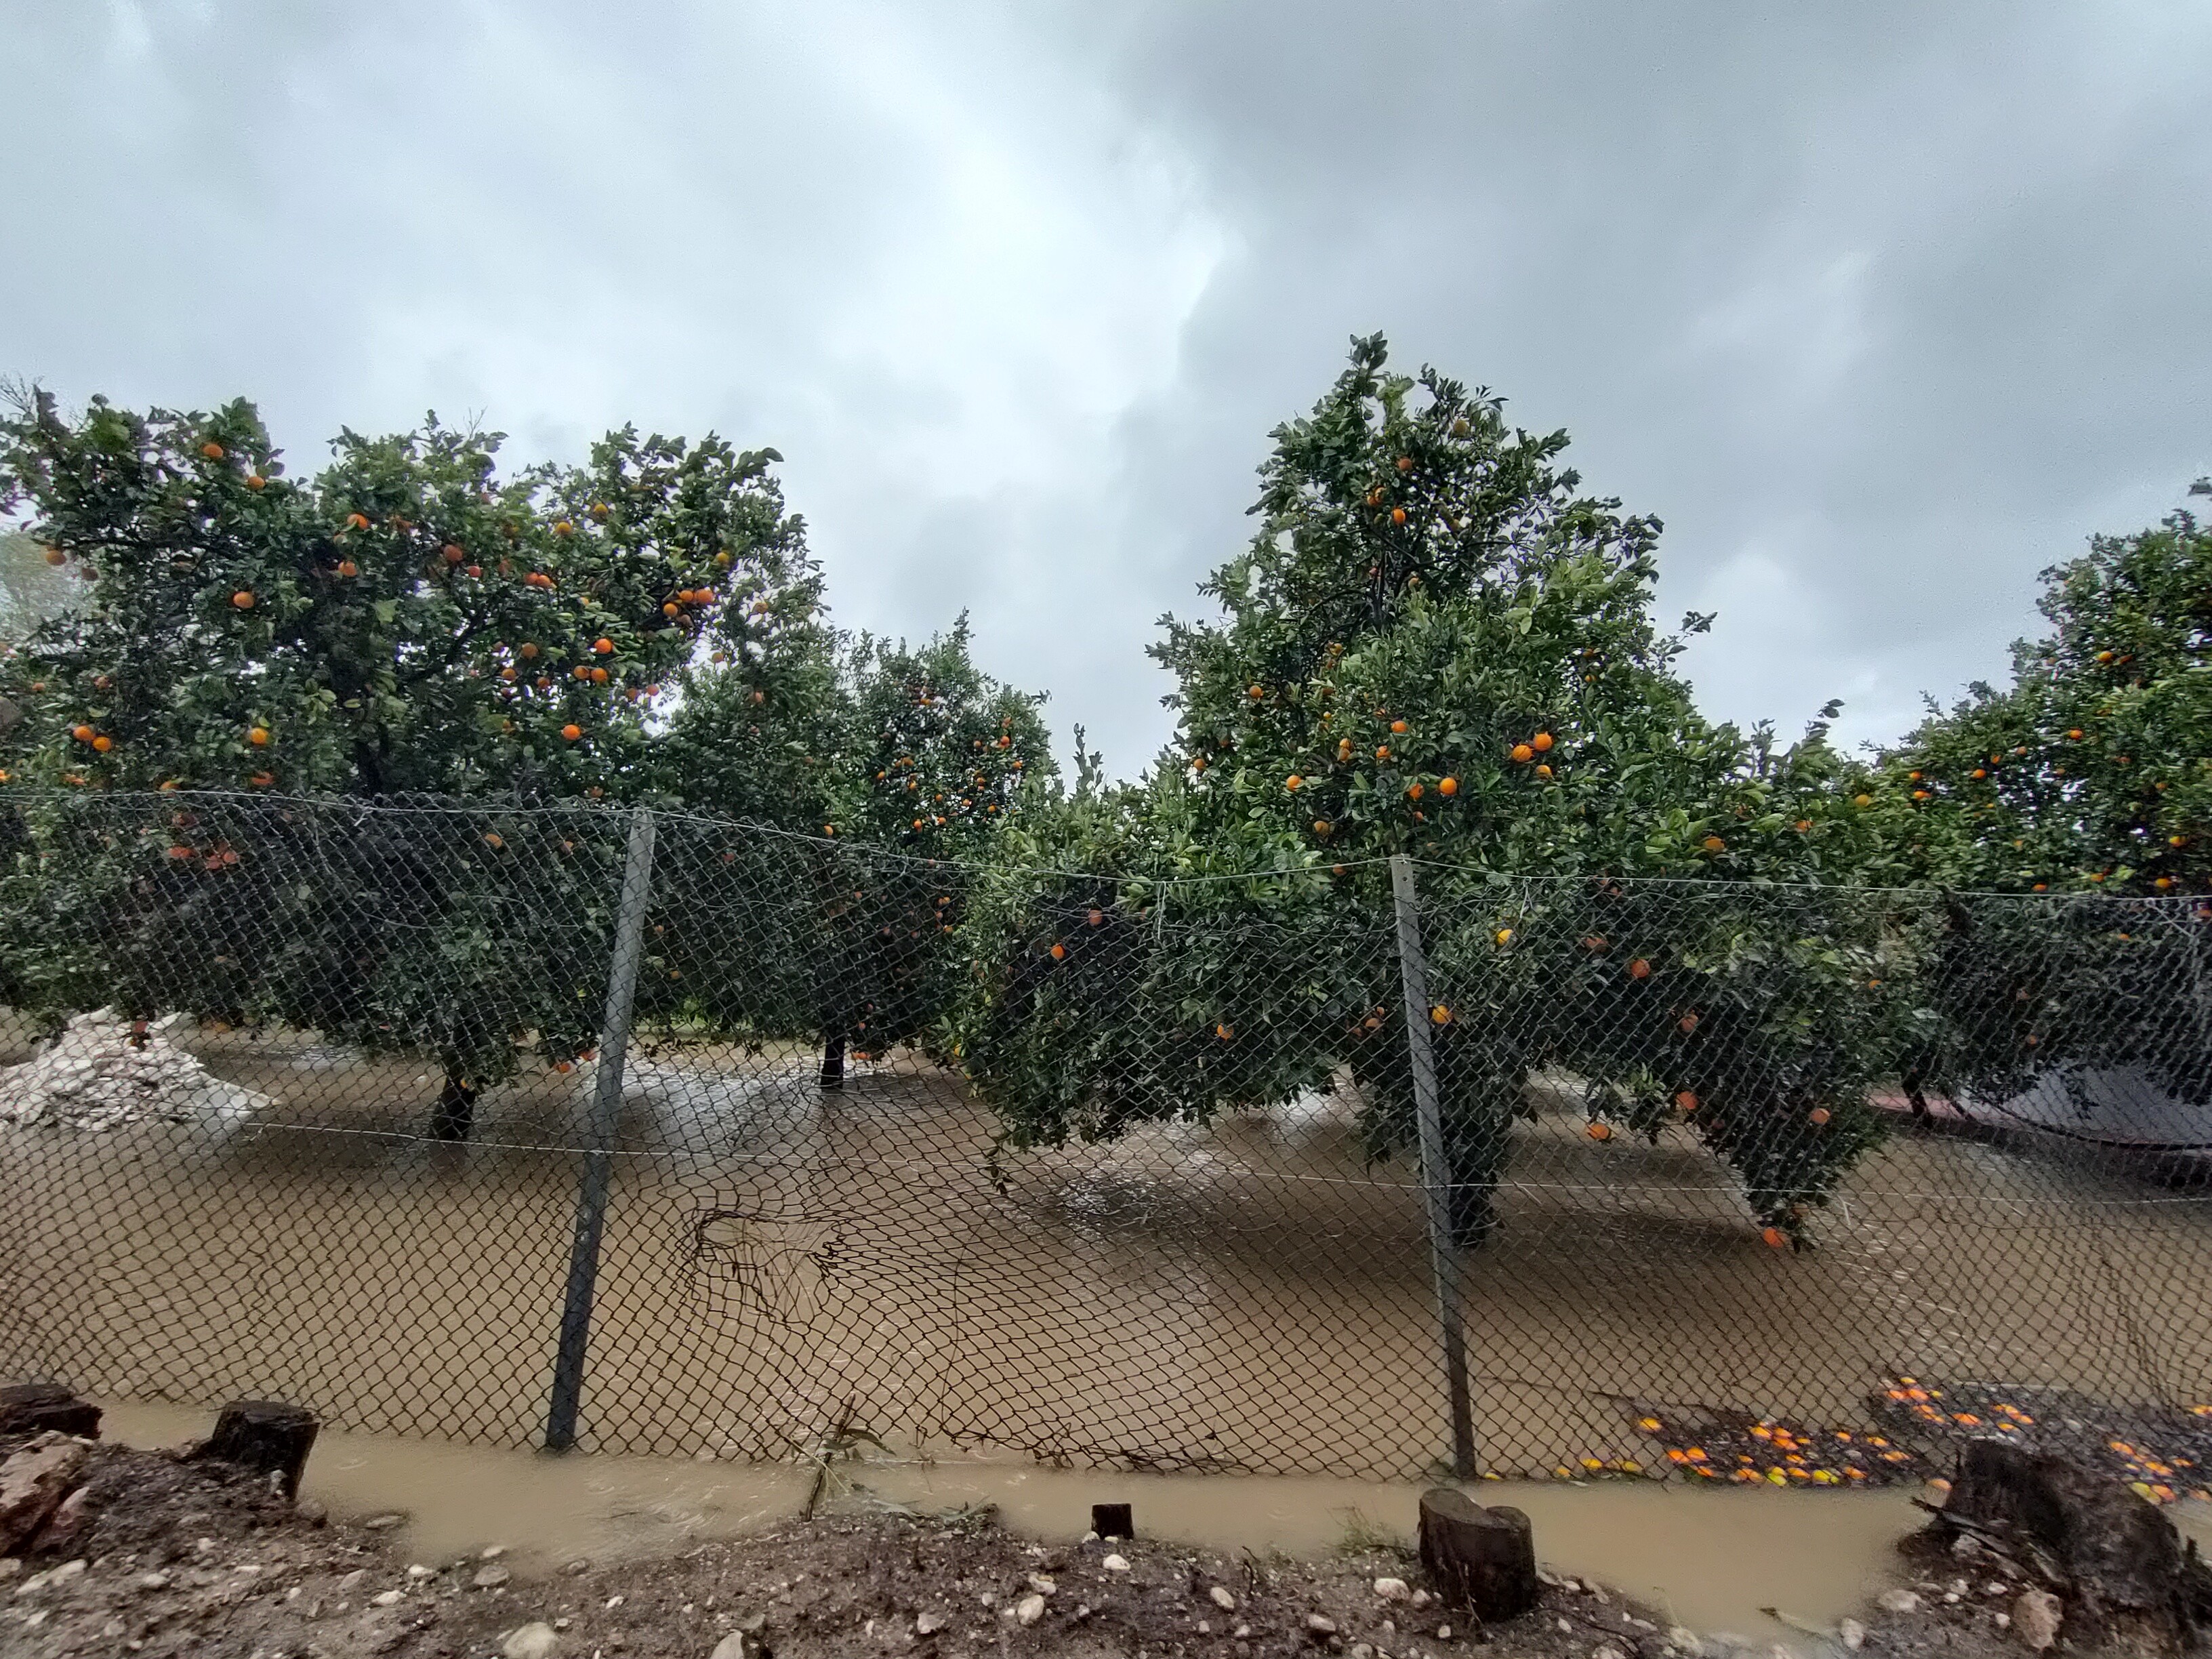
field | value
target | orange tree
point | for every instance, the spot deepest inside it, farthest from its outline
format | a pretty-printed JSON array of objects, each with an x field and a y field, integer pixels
[
  {"x": 404, "y": 623},
  {"x": 2083, "y": 789},
  {"x": 1434, "y": 645},
  {"x": 876, "y": 774}
]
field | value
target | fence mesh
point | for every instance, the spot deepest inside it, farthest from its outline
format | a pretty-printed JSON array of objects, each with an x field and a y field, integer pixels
[{"x": 1792, "y": 1185}]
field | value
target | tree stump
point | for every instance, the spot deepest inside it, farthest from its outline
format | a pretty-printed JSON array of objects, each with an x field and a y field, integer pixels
[
  {"x": 2127, "y": 1584},
  {"x": 265, "y": 1435},
  {"x": 34, "y": 1407},
  {"x": 1480, "y": 1558}
]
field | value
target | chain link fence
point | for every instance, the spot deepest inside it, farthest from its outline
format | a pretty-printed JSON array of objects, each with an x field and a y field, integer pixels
[{"x": 659, "y": 1132}]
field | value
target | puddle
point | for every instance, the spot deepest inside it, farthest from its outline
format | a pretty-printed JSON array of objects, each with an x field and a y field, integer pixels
[{"x": 1710, "y": 1559}]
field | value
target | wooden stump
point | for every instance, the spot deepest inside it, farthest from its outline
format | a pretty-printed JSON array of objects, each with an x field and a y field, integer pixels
[
  {"x": 265, "y": 1435},
  {"x": 2127, "y": 1584},
  {"x": 1480, "y": 1558},
  {"x": 34, "y": 1407}
]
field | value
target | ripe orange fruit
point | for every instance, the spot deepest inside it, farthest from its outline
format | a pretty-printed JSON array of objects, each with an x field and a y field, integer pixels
[
  {"x": 2161, "y": 883},
  {"x": 1592, "y": 942},
  {"x": 1803, "y": 824},
  {"x": 2040, "y": 887},
  {"x": 1819, "y": 1115},
  {"x": 604, "y": 646},
  {"x": 1224, "y": 1032},
  {"x": 2104, "y": 656},
  {"x": 1397, "y": 515},
  {"x": 1639, "y": 968},
  {"x": 243, "y": 598},
  {"x": 1920, "y": 795},
  {"x": 1059, "y": 952},
  {"x": 1774, "y": 1238},
  {"x": 1447, "y": 786},
  {"x": 2075, "y": 734},
  {"x": 55, "y": 556},
  {"x": 213, "y": 451},
  {"x": 1096, "y": 918},
  {"x": 82, "y": 734},
  {"x": 1256, "y": 692},
  {"x": 255, "y": 481},
  {"x": 1600, "y": 1132},
  {"x": 598, "y": 677},
  {"x": 572, "y": 731},
  {"x": 1715, "y": 844},
  {"x": 493, "y": 840},
  {"x": 1861, "y": 800},
  {"x": 180, "y": 851},
  {"x": 1440, "y": 1015},
  {"x": 1398, "y": 727},
  {"x": 454, "y": 555},
  {"x": 1543, "y": 771},
  {"x": 103, "y": 743},
  {"x": 1292, "y": 782},
  {"x": 579, "y": 672},
  {"x": 262, "y": 780},
  {"x": 507, "y": 672},
  {"x": 1404, "y": 464},
  {"x": 562, "y": 527},
  {"x": 1321, "y": 826},
  {"x": 259, "y": 736},
  {"x": 1686, "y": 1099},
  {"x": 1978, "y": 774},
  {"x": 1540, "y": 742},
  {"x": 1522, "y": 753},
  {"x": 1383, "y": 752},
  {"x": 1505, "y": 936},
  {"x": 356, "y": 521},
  {"x": 1688, "y": 1023}
]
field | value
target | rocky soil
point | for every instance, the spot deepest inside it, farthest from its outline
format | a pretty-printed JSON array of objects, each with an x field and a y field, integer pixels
[{"x": 150, "y": 1554}]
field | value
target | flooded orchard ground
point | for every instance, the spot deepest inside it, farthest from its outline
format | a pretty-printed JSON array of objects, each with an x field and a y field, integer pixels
[{"x": 784, "y": 1268}]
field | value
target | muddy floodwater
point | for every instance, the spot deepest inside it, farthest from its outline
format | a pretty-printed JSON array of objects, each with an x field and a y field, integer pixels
[
  {"x": 784, "y": 1268},
  {"x": 1712, "y": 1560}
]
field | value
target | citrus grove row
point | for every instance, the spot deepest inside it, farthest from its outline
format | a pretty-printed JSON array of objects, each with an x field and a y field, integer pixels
[{"x": 1435, "y": 644}]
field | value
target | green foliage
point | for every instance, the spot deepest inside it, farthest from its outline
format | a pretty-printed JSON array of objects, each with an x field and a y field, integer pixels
[
  {"x": 403, "y": 623},
  {"x": 2093, "y": 769},
  {"x": 1433, "y": 644}
]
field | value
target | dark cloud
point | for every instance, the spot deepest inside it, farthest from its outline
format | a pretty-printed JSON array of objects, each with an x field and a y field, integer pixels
[{"x": 1881, "y": 308}]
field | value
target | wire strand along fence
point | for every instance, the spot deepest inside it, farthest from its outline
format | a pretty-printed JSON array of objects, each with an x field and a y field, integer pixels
[{"x": 357, "y": 1105}]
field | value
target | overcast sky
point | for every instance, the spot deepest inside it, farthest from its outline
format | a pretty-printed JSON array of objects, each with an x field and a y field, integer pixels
[{"x": 1881, "y": 307}]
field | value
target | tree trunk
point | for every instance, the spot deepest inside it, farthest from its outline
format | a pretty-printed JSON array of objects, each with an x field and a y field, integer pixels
[
  {"x": 1482, "y": 1558},
  {"x": 34, "y": 1407},
  {"x": 833, "y": 1061},
  {"x": 2127, "y": 1584},
  {"x": 265, "y": 1435},
  {"x": 456, "y": 1114}
]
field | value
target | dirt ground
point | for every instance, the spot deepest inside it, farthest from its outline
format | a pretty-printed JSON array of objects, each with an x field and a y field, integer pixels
[{"x": 181, "y": 1558}]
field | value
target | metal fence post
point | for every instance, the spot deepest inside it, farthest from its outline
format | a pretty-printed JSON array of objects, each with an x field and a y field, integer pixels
[
  {"x": 1436, "y": 1173},
  {"x": 598, "y": 1156}
]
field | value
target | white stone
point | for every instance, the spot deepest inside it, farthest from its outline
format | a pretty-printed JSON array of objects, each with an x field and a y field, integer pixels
[
  {"x": 1681, "y": 1639},
  {"x": 490, "y": 1577},
  {"x": 1029, "y": 1608},
  {"x": 1321, "y": 1623},
  {"x": 492, "y": 1552},
  {"x": 2036, "y": 1616},
  {"x": 153, "y": 1580},
  {"x": 418, "y": 1572},
  {"x": 352, "y": 1578},
  {"x": 732, "y": 1646},
  {"x": 1607, "y": 1651},
  {"x": 387, "y": 1598},
  {"x": 100, "y": 1073},
  {"x": 534, "y": 1640},
  {"x": 1042, "y": 1584},
  {"x": 1362, "y": 1650},
  {"x": 1393, "y": 1590},
  {"x": 1897, "y": 1601},
  {"x": 1222, "y": 1597},
  {"x": 1443, "y": 1632},
  {"x": 1114, "y": 1564},
  {"x": 1852, "y": 1632},
  {"x": 927, "y": 1620},
  {"x": 1422, "y": 1598}
]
